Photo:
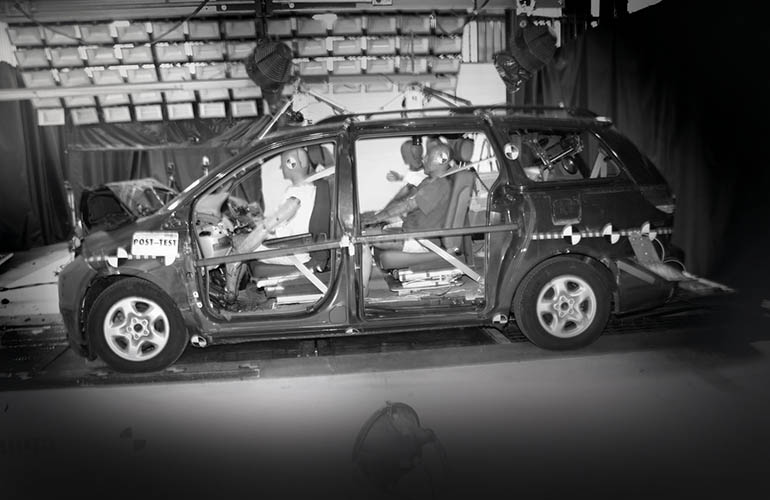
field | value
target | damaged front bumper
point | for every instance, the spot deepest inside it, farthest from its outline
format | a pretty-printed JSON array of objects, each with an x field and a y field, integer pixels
[{"x": 74, "y": 281}]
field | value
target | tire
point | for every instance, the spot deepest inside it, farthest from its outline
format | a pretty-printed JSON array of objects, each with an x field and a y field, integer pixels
[
  {"x": 157, "y": 336},
  {"x": 562, "y": 304}
]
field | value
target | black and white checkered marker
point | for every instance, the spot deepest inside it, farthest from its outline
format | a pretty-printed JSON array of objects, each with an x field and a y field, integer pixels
[
  {"x": 608, "y": 231},
  {"x": 571, "y": 236},
  {"x": 612, "y": 236},
  {"x": 121, "y": 256}
]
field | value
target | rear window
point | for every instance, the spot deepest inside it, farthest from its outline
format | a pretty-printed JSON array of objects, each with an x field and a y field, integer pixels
[{"x": 558, "y": 155}]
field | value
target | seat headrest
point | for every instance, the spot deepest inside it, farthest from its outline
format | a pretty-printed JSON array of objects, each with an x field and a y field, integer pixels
[
  {"x": 320, "y": 155},
  {"x": 462, "y": 149},
  {"x": 411, "y": 153}
]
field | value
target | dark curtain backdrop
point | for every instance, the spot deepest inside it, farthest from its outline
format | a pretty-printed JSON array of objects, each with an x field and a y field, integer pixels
[
  {"x": 32, "y": 197},
  {"x": 89, "y": 168},
  {"x": 36, "y": 161},
  {"x": 682, "y": 80},
  {"x": 163, "y": 150}
]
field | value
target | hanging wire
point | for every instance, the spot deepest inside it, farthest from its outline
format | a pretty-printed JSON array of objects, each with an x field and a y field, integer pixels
[
  {"x": 31, "y": 18},
  {"x": 158, "y": 39},
  {"x": 468, "y": 20},
  {"x": 198, "y": 9}
]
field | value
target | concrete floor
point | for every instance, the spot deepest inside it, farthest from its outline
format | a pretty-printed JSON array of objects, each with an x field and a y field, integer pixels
[
  {"x": 28, "y": 286},
  {"x": 618, "y": 420}
]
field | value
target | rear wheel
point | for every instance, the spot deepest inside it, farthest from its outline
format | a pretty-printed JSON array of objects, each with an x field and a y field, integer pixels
[
  {"x": 135, "y": 327},
  {"x": 563, "y": 303}
]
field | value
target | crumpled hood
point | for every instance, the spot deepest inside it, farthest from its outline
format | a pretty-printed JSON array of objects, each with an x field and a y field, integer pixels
[
  {"x": 107, "y": 242},
  {"x": 113, "y": 204}
]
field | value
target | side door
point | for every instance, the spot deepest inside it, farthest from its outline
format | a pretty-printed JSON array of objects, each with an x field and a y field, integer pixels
[
  {"x": 267, "y": 240},
  {"x": 419, "y": 275}
]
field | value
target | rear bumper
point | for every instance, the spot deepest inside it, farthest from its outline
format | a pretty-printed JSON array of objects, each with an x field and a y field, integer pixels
[{"x": 641, "y": 287}]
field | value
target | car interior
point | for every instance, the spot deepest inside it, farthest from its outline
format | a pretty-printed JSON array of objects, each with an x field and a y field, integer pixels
[
  {"x": 242, "y": 206},
  {"x": 551, "y": 156},
  {"x": 450, "y": 270},
  {"x": 448, "y": 273}
]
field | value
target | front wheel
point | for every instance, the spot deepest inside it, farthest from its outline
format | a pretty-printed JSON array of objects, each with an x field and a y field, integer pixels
[
  {"x": 135, "y": 327},
  {"x": 562, "y": 304}
]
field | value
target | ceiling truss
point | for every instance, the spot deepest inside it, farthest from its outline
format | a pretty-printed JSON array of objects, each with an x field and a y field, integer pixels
[{"x": 92, "y": 10}]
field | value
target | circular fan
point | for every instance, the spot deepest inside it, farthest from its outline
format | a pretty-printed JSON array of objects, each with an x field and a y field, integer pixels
[{"x": 269, "y": 66}]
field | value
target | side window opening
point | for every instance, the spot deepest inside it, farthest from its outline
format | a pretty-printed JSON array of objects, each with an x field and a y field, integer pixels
[
  {"x": 280, "y": 203},
  {"x": 487, "y": 172},
  {"x": 551, "y": 156},
  {"x": 603, "y": 163},
  {"x": 412, "y": 184}
]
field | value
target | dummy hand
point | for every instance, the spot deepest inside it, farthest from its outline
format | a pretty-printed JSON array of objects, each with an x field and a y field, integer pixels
[
  {"x": 254, "y": 209},
  {"x": 394, "y": 176},
  {"x": 369, "y": 219}
]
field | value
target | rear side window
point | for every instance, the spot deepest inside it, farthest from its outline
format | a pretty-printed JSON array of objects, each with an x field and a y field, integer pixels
[
  {"x": 554, "y": 156},
  {"x": 603, "y": 164}
]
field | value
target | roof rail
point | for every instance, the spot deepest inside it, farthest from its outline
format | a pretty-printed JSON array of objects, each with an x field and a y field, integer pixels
[{"x": 448, "y": 111}]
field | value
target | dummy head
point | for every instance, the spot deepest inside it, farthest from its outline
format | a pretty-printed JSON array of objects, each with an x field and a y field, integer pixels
[
  {"x": 437, "y": 159},
  {"x": 295, "y": 165}
]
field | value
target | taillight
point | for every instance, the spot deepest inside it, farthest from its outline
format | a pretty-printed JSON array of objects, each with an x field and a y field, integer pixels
[{"x": 661, "y": 197}]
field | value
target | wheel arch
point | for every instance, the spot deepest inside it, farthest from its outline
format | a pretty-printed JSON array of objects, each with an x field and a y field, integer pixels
[
  {"x": 100, "y": 283},
  {"x": 96, "y": 287},
  {"x": 599, "y": 264},
  {"x": 526, "y": 307}
]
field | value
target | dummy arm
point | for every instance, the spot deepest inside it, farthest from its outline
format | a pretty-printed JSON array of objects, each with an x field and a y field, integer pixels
[
  {"x": 286, "y": 211},
  {"x": 255, "y": 238},
  {"x": 396, "y": 208}
]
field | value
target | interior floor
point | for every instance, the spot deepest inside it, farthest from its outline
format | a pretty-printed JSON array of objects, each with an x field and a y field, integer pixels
[
  {"x": 445, "y": 285},
  {"x": 290, "y": 293}
]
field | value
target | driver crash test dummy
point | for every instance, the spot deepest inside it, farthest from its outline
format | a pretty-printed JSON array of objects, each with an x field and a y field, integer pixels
[{"x": 292, "y": 217}]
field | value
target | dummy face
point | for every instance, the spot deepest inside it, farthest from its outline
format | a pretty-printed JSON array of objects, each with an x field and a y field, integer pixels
[
  {"x": 436, "y": 161},
  {"x": 295, "y": 165}
]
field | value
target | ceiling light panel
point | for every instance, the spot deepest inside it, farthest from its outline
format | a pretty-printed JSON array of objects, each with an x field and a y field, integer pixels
[
  {"x": 96, "y": 33},
  {"x": 240, "y": 29},
  {"x": 25, "y": 35},
  {"x": 84, "y": 116},
  {"x": 119, "y": 114},
  {"x": 64, "y": 35},
  {"x": 149, "y": 113},
  {"x": 65, "y": 57},
  {"x": 170, "y": 32},
  {"x": 50, "y": 116},
  {"x": 133, "y": 33},
  {"x": 32, "y": 58}
]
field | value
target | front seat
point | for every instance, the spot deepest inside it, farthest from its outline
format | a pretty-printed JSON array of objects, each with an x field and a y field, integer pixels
[
  {"x": 457, "y": 212},
  {"x": 318, "y": 228}
]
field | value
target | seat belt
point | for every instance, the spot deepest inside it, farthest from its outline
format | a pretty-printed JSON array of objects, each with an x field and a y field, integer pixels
[
  {"x": 308, "y": 273},
  {"x": 451, "y": 259}
]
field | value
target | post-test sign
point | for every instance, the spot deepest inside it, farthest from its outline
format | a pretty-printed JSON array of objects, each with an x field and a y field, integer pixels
[{"x": 156, "y": 244}]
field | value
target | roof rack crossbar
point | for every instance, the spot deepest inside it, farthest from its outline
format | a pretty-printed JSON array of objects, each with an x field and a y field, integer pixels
[{"x": 416, "y": 113}]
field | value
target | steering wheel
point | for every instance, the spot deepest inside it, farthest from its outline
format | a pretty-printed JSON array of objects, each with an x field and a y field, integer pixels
[{"x": 239, "y": 215}]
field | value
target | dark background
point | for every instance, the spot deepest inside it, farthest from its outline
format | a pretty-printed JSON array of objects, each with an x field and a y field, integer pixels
[{"x": 684, "y": 81}]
